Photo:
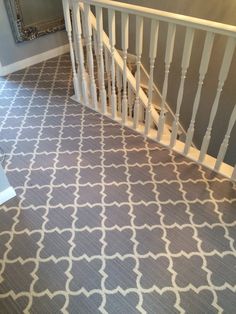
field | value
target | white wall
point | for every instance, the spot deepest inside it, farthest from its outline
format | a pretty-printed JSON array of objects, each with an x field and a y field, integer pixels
[
  {"x": 3, "y": 180},
  {"x": 6, "y": 191}
]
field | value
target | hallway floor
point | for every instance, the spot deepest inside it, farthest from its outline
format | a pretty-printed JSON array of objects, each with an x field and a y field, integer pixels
[{"x": 105, "y": 221}]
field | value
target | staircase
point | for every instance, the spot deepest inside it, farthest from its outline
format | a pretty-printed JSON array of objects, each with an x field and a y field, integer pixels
[{"x": 109, "y": 80}]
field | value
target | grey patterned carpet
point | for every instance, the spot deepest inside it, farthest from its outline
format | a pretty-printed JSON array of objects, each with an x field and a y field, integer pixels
[{"x": 104, "y": 221}]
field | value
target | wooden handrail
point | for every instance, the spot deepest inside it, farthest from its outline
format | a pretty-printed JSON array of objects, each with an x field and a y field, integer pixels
[{"x": 206, "y": 25}]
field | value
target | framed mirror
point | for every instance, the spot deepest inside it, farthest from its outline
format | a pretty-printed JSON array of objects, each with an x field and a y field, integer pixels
[{"x": 30, "y": 19}]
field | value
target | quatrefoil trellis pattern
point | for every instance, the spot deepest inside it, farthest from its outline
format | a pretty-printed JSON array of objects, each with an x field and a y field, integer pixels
[{"x": 105, "y": 221}]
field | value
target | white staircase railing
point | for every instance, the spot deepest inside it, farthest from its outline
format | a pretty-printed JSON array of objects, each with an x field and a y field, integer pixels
[{"x": 124, "y": 100}]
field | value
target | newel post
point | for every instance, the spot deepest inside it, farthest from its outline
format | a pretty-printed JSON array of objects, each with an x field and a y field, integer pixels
[
  {"x": 68, "y": 25},
  {"x": 76, "y": 10},
  {"x": 88, "y": 32}
]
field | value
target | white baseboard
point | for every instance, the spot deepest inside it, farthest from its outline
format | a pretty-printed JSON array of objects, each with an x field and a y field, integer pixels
[
  {"x": 19, "y": 65},
  {"x": 7, "y": 195}
]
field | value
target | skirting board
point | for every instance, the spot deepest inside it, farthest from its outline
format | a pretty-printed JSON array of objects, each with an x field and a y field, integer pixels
[
  {"x": 6, "y": 195},
  {"x": 19, "y": 65}
]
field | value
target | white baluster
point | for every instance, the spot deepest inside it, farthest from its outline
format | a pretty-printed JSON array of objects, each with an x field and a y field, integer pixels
[
  {"x": 233, "y": 177},
  {"x": 206, "y": 54},
  {"x": 88, "y": 29},
  {"x": 229, "y": 50},
  {"x": 225, "y": 143},
  {"x": 152, "y": 57},
  {"x": 125, "y": 42},
  {"x": 76, "y": 9},
  {"x": 119, "y": 87},
  {"x": 103, "y": 94},
  {"x": 139, "y": 47},
  {"x": 184, "y": 65},
  {"x": 112, "y": 38},
  {"x": 66, "y": 9},
  {"x": 168, "y": 60}
]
